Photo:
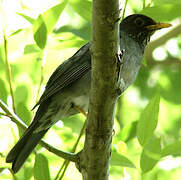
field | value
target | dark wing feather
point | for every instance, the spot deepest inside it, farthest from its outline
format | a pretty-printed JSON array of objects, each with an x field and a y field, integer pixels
[{"x": 68, "y": 72}]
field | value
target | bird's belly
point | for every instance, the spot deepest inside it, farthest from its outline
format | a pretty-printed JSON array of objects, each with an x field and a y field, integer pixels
[{"x": 62, "y": 103}]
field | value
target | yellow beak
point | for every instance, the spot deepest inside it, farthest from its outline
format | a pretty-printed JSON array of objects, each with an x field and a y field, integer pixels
[{"x": 158, "y": 26}]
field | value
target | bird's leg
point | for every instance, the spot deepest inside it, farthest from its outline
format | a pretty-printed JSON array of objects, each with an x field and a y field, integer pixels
[
  {"x": 79, "y": 109},
  {"x": 119, "y": 58}
]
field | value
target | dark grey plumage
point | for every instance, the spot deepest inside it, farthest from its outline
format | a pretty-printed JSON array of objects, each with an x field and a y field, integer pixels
[{"x": 70, "y": 84}]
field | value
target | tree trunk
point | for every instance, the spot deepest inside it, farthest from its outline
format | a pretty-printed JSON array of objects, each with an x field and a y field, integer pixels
[{"x": 95, "y": 157}]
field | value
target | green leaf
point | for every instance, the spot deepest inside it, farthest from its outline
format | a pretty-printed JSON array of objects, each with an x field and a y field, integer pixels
[
  {"x": 23, "y": 112},
  {"x": 21, "y": 94},
  {"x": 172, "y": 149},
  {"x": 52, "y": 15},
  {"x": 28, "y": 18},
  {"x": 83, "y": 32},
  {"x": 16, "y": 32},
  {"x": 41, "y": 168},
  {"x": 163, "y": 2},
  {"x": 74, "y": 122},
  {"x": 31, "y": 48},
  {"x": 83, "y": 8},
  {"x": 40, "y": 32},
  {"x": 151, "y": 154},
  {"x": 120, "y": 160},
  {"x": 160, "y": 13},
  {"x": 129, "y": 131},
  {"x": 148, "y": 120}
]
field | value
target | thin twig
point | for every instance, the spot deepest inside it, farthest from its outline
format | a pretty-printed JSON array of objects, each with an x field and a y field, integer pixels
[
  {"x": 144, "y": 4},
  {"x": 41, "y": 75},
  {"x": 4, "y": 114},
  {"x": 21, "y": 124},
  {"x": 124, "y": 9},
  {"x": 9, "y": 72},
  {"x": 64, "y": 170},
  {"x": 66, "y": 162},
  {"x": 12, "y": 173}
]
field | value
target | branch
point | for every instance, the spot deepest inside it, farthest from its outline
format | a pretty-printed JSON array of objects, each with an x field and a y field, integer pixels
[
  {"x": 95, "y": 157},
  {"x": 23, "y": 126}
]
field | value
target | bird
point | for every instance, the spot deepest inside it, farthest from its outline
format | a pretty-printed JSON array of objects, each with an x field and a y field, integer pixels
[{"x": 69, "y": 84}]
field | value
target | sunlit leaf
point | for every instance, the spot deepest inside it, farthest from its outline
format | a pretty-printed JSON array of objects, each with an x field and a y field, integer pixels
[
  {"x": 52, "y": 15},
  {"x": 28, "y": 18},
  {"x": 172, "y": 149},
  {"x": 120, "y": 160},
  {"x": 41, "y": 168},
  {"x": 40, "y": 32},
  {"x": 83, "y": 8},
  {"x": 16, "y": 32},
  {"x": 148, "y": 120},
  {"x": 151, "y": 154}
]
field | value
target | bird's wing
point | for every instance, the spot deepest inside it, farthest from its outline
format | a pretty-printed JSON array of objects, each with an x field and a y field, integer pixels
[{"x": 68, "y": 72}]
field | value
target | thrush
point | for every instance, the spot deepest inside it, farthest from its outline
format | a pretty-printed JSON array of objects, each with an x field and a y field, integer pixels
[{"x": 70, "y": 83}]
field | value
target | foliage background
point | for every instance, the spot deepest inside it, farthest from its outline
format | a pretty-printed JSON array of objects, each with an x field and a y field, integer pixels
[{"x": 36, "y": 48}]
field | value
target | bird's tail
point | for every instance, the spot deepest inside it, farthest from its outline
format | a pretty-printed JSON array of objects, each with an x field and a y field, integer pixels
[{"x": 20, "y": 152}]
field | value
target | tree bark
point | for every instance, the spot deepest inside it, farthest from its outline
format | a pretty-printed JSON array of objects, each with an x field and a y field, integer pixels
[{"x": 95, "y": 157}]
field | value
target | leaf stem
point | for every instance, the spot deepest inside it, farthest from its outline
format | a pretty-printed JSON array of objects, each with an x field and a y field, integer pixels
[
  {"x": 9, "y": 72},
  {"x": 41, "y": 75}
]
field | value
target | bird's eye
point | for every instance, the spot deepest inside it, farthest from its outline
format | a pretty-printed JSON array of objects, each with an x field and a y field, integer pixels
[{"x": 139, "y": 22}]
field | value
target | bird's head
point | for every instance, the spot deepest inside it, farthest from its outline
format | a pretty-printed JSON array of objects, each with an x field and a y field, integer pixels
[{"x": 141, "y": 27}]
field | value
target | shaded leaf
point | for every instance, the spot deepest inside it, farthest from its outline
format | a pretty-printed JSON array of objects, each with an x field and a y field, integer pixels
[
  {"x": 31, "y": 48},
  {"x": 148, "y": 120},
  {"x": 160, "y": 13},
  {"x": 3, "y": 91},
  {"x": 172, "y": 149},
  {"x": 163, "y": 2},
  {"x": 2, "y": 169},
  {"x": 151, "y": 154},
  {"x": 128, "y": 132},
  {"x": 23, "y": 112},
  {"x": 84, "y": 32},
  {"x": 74, "y": 122},
  {"x": 21, "y": 94},
  {"x": 41, "y": 168},
  {"x": 120, "y": 160}
]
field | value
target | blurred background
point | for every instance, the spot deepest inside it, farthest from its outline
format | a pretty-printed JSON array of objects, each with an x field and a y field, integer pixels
[{"x": 35, "y": 47}]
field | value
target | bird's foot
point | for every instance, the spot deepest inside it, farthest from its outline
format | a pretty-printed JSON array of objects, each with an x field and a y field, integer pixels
[
  {"x": 119, "y": 58},
  {"x": 79, "y": 109}
]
